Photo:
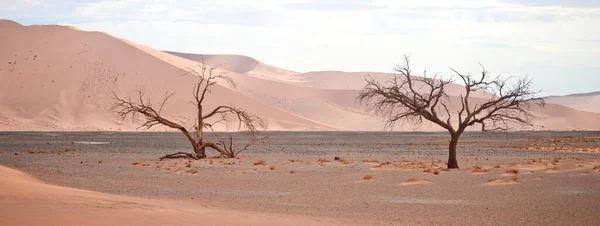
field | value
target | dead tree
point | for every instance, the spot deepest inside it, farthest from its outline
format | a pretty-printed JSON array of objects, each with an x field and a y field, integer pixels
[
  {"x": 413, "y": 99},
  {"x": 207, "y": 77}
]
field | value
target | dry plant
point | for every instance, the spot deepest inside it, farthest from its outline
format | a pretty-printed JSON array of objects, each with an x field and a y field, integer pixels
[
  {"x": 346, "y": 162},
  {"x": 413, "y": 99},
  {"x": 136, "y": 163},
  {"x": 506, "y": 180},
  {"x": 323, "y": 161},
  {"x": 511, "y": 171},
  {"x": 383, "y": 164},
  {"x": 207, "y": 78},
  {"x": 228, "y": 163},
  {"x": 368, "y": 177},
  {"x": 260, "y": 163},
  {"x": 479, "y": 169},
  {"x": 31, "y": 151},
  {"x": 272, "y": 167},
  {"x": 292, "y": 171}
]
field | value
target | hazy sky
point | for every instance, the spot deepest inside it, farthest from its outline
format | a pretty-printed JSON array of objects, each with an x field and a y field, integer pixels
[{"x": 557, "y": 42}]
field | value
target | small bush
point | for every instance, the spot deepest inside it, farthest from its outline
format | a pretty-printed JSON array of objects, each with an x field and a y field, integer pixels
[
  {"x": 136, "y": 163},
  {"x": 368, "y": 177},
  {"x": 260, "y": 163},
  {"x": 512, "y": 171}
]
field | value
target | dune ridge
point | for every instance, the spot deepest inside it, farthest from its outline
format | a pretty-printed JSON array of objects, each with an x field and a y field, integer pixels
[{"x": 61, "y": 78}]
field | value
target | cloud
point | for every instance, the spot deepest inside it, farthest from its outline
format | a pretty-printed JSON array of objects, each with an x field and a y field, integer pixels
[
  {"x": 557, "y": 3},
  {"x": 334, "y": 5}
]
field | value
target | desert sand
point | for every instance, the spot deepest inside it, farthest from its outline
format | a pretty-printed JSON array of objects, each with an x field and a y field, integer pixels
[
  {"x": 27, "y": 201},
  {"x": 293, "y": 178},
  {"x": 59, "y": 78},
  {"x": 584, "y": 101},
  {"x": 74, "y": 74}
]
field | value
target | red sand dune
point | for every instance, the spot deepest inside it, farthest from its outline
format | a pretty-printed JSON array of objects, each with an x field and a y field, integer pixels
[{"x": 61, "y": 78}]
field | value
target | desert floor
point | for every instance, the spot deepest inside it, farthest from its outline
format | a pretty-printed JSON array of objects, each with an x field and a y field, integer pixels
[{"x": 516, "y": 178}]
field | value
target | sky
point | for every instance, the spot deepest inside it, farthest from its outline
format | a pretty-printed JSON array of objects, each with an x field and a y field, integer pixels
[{"x": 554, "y": 42}]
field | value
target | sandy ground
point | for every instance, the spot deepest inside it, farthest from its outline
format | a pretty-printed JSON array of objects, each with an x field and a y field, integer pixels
[
  {"x": 27, "y": 201},
  {"x": 381, "y": 179}
]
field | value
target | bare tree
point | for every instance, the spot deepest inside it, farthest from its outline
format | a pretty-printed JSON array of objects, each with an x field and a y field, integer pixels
[
  {"x": 207, "y": 77},
  {"x": 413, "y": 99}
]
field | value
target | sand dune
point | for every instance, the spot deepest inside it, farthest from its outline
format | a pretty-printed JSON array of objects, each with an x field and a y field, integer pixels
[
  {"x": 243, "y": 65},
  {"x": 61, "y": 78},
  {"x": 585, "y": 101},
  {"x": 57, "y": 78},
  {"x": 27, "y": 201}
]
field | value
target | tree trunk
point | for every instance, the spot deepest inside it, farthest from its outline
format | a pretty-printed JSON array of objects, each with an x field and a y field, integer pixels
[
  {"x": 189, "y": 137},
  {"x": 201, "y": 152},
  {"x": 452, "y": 163}
]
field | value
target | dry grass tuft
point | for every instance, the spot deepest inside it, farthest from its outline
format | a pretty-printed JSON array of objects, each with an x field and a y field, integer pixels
[
  {"x": 506, "y": 180},
  {"x": 229, "y": 163},
  {"x": 67, "y": 149},
  {"x": 512, "y": 171},
  {"x": 194, "y": 172},
  {"x": 479, "y": 169},
  {"x": 260, "y": 163},
  {"x": 322, "y": 161},
  {"x": 136, "y": 163},
  {"x": 346, "y": 162},
  {"x": 43, "y": 152},
  {"x": 31, "y": 151},
  {"x": 368, "y": 177},
  {"x": 272, "y": 167},
  {"x": 383, "y": 164},
  {"x": 370, "y": 161},
  {"x": 292, "y": 171},
  {"x": 146, "y": 164},
  {"x": 210, "y": 162}
]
